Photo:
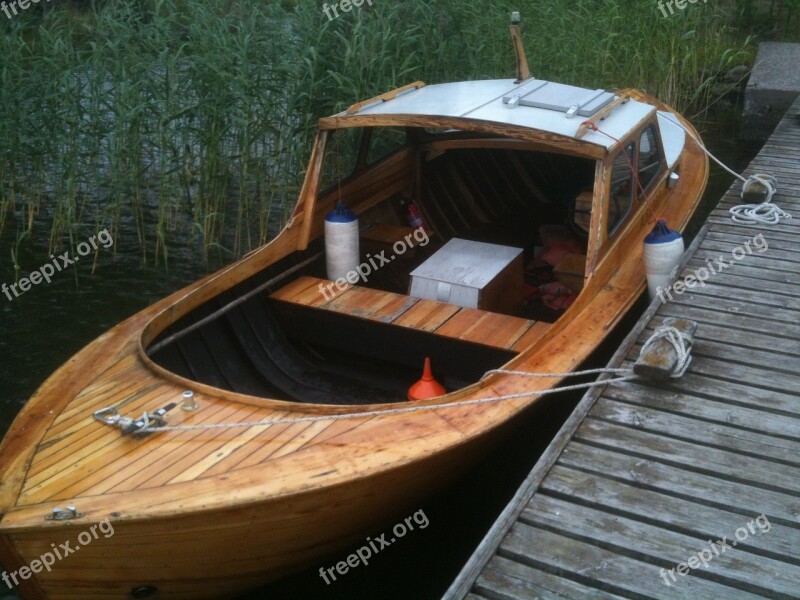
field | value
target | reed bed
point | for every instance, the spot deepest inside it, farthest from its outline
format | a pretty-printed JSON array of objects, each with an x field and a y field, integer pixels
[{"x": 192, "y": 119}]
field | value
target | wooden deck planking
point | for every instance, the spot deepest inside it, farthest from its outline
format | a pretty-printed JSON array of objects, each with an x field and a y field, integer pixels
[
  {"x": 146, "y": 469},
  {"x": 468, "y": 324},
  {"x": 252, "y": 454},
  {"x": 107, "y": 386},
  {"x": 87, "y": 480},
  {"x": 492, "y": 329},
  {"x": 644, "y": 475},
  {"x": 534, "y": 334},
  {"x": 67, "y": 441},
  {"x": 594, "y": 566},
  {"x": 516, "y": 581},
  {"x": 684, "y": 515},
  {"x": 426, "y": 315},
  {"x": 186, "y": 442},
  {"x": 86, "y": 446},
  {"x": 680, "y": 427},
  {"x": 375, "y": 305},
  {"x": 711, "y": 491},
  {"x": 748, "y": 417},
  {"x": 737, "y": 568}
]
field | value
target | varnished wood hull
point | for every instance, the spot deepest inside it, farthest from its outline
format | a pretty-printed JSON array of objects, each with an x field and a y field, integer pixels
[
  {"x": 207, "y": 514},
  {"x": 223, "y": 553}
]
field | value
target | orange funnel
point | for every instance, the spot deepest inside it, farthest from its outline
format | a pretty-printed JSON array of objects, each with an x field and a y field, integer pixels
[{"x": 427, "y": 387}]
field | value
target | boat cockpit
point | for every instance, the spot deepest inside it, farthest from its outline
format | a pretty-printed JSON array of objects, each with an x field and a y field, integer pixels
[{"x": 469, "y": 246}]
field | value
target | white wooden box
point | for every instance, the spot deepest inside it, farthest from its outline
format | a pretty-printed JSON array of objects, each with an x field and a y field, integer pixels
[{"x": 472, "y": 274}]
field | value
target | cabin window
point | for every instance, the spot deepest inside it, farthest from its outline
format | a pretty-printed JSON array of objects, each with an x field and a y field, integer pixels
[
  {"x": 341, "y": 156},
  {"x": 385, "y": 141},
  {"x": 620, "y": 200},
  {"x": 649, "y": 157}
]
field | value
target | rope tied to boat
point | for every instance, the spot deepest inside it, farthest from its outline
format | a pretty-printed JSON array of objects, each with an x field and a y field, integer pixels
[
  {"x": 156, "y": 421},
  {"x": 681, "y": 343},
  {"x": 764, "y": 212},
  {"x": 138, "y": 427}
]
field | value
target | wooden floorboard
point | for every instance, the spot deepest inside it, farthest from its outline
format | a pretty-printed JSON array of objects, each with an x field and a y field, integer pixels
[
  {"x": 646, "y": 476},
  {"x": 680, "y": 482},
  {"x": 511, "y": 580},
  {"x": 468, "y": 324}
]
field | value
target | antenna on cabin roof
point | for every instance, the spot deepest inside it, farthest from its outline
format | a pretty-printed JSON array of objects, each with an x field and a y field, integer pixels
[{"x": 523, "y": 72}]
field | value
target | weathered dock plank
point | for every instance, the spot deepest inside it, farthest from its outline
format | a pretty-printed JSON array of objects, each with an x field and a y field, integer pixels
[{"x": 690, "y": 487}]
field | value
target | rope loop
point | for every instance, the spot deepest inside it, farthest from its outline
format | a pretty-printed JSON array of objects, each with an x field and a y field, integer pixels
[
  {"x": 766, "y": 212},
  {"x": 680, "y": 341},
  {"x": 748, "y": 214}
]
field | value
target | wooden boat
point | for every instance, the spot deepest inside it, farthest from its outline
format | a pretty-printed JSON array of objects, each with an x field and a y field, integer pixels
[{"x": 212, "y": 512}]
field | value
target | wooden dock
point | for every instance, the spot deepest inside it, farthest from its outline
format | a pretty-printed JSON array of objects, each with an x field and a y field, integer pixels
[{"x": 689, "y": 489}]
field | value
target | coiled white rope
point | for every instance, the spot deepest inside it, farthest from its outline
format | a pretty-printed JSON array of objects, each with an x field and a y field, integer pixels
[
  {"x": 679, "y": 340},
  {"x": 749, "y": 214},
  {"x": 766, "y": 212}
]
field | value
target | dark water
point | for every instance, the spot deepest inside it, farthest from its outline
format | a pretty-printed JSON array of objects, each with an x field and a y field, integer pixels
[{"x": 46, "y": 325}]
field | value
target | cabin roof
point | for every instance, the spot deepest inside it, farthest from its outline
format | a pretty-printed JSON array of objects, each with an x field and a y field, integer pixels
[{"x": 540, "y": 105}]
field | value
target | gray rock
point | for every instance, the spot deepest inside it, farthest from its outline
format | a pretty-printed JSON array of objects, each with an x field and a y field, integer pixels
[{"x": 737, "y": 74}]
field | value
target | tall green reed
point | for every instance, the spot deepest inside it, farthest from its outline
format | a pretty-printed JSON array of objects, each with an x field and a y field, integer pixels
[{"x": 193, "y": 120}]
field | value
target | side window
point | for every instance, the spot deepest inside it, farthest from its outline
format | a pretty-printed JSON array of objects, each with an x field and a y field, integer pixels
[
  {"x": 649, "y": 157},
  {"x": 385, "y": 141},
  {"x": 620, "y": 201},
  {"x": 341, "y": 156}
]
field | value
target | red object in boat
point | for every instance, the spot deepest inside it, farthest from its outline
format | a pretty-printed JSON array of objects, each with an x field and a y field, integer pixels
[
  {"x": 427, "y": 387},
  {"x": 415, "y": 219},
  {"x": 557, "y": 296}
]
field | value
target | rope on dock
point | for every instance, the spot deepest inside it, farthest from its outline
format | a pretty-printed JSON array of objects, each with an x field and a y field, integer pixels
[
  {"x": 765, "y": 212},
  {"x": 680, "y": 341}
]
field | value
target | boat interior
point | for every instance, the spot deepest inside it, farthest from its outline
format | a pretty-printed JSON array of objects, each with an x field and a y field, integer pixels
[{"x": 294, "y": 335}]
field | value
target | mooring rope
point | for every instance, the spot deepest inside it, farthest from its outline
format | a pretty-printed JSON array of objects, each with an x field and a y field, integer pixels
[
  {"x": 681, "y": 343},
  {"x": 402, "y": 410},
  {"x": 766, "y": 212},
  {"x": 679, "y": 340},
  {"x": 747, "y": 214}
]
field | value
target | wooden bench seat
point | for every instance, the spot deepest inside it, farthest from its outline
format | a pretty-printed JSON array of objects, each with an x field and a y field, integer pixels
[{"x": 468, "y": 324}]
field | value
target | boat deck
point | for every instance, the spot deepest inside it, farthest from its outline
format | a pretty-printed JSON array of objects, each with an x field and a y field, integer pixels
[
  {"x": 689, "y": 489},
  {"x": 466, "y": 324}
]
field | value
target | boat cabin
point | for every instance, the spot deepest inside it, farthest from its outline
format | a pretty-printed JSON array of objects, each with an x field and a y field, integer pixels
[{"x": 485, "y": 210}]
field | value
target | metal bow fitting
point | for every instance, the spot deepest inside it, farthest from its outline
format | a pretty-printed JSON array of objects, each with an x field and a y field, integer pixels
[{"x": 137, "y": 427}]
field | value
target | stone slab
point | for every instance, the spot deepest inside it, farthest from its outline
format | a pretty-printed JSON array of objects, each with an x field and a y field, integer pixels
[{"x": 774, "y": 84}]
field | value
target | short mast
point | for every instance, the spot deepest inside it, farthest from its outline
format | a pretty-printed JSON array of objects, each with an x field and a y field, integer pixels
[{"x": 523, "y": 72}]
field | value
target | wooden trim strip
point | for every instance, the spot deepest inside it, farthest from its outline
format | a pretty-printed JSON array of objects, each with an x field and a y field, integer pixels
[
  {"x": 564, "y": 143},
  {"x": 384, "y": 97}
]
